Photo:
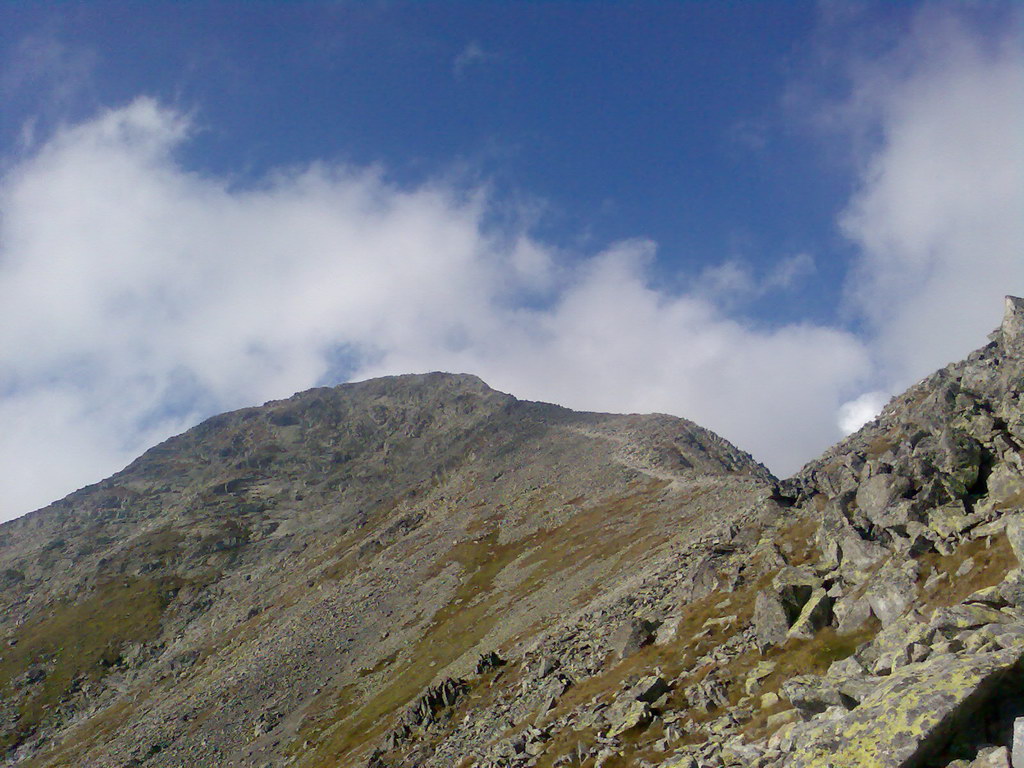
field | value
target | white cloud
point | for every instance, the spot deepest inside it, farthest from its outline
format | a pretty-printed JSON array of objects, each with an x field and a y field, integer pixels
[
  {"x": 614, "y": 342},
  {"x": 736, "y": 281},
  {"x": 790, "y": 270},
  {"x": 136, "y": 297},
  {"x": 938, "y": 212},
  {"x": 857, "y": 412}
]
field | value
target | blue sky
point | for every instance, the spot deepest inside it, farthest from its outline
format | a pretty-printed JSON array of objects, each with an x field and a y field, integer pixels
[
  {"x": 765, "y": 217},
  {"x": 660, "y": 120}
]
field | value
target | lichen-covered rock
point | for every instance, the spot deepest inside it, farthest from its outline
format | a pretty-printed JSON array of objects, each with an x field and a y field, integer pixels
[
  {"x": 910, "y": 715},
  {"x": 949, "y": 520},
  {"x": 1006, "y": 486},
  {"x": 816, "y": 613},
  {"x": 992, "y": 757},
  {"x": 859, "y": 555},
  {"x": 877, "y": 492},
  {"x": 851, "y": 614},
  {"x": 811, "y": 694}
]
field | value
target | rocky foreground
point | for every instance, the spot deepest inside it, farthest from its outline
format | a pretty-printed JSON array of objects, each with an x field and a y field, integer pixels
[{"x": 420, "y": 571}]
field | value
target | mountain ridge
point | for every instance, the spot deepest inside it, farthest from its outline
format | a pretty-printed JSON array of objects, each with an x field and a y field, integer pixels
[{"x": 419, "y": 570}]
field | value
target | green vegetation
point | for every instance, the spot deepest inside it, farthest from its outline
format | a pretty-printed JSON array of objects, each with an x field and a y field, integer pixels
[
  {"x": 597, "y": 532},
  {"x": 455, "y": 629},
  {"x": 76, "y": 642}
]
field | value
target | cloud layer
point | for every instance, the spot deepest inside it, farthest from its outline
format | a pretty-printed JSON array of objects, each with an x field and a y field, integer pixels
[
  {"x": 137, "y": 296},
  {"x": 939, "y": 214}
]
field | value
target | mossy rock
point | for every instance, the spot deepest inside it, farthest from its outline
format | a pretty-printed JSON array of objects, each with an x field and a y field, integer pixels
[{"x": 910, "y": 716}]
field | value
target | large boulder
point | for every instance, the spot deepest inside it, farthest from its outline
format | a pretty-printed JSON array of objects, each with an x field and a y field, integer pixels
[
  {"x": 892, "y": 591},
  {"x": 859, "y": 556},
  {"x": 910, "y": 715},
  {"x": 632, "y": 636},
  {"x": 876, "y": 493},
  {"x": 1006, "y": 486},
  {"x": 771, "y": 624}
]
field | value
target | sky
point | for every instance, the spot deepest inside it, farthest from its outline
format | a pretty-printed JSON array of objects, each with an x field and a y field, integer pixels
[{"x": 767, "y": 217}]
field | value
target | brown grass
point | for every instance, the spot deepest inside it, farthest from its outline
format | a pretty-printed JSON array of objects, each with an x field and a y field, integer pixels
[{"x": 991, "y": 565}]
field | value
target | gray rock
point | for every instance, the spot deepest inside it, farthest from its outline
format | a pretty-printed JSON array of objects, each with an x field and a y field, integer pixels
[
  {"x": 1017, "y": 748},
  {"x": 878, "y": 492},
  {"x": 846, "y": 668},
  {"x": 1015, "y": 533},
  {"x": 631, "y": 637},
  {"x": 816, "y": 613},
  {"x": 907, "y": 713},
  {"x": 811, "y": 694},
  {"x": 794, "y": 587},
  {"x": 707, "y": 695},
  {"x": 637, "y": 714},
  {"x": 1012, "y": 327},
  {"x": 892, "y": 592},
  {"x": 1011, "y": 589},
  {"x": 961, "y": 461},
  {"x": 770, "y": 621},
  {"x": 949, "y": 520},
  {"x": 859, "y": 555},
  {"x": 852, "y": 613},
  {"x": 649, "y": 689},
  {"x": 992, "y": 757},
  {"x": 956, "y": 618},
  {"x": 545, "y": 666},
  {"x": 668, "y": 630},
  {"x": 1006, "y": 486}
]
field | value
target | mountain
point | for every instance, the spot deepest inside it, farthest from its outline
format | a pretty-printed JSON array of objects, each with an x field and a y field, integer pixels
[{"x": 422, "y": 571}]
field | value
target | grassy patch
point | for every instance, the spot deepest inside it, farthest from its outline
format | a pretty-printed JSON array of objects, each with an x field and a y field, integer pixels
[
  {"x": 455, "y": 629},
  {"x": 991, "y": 565},
  {"x": 796, "y": 541},
  {"x": 98, "y": 729},
  {"x": 880, "y": 445},
  {"x": 77, "y": 640},
  {"x": 799, "y": 657},
  {"x": 602, "y": 531}
]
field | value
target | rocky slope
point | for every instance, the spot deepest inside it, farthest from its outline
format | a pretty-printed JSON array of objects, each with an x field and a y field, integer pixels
[{"x": 420, "y": 571}]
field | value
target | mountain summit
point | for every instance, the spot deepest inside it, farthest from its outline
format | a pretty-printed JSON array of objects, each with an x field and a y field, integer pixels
[{"x": 421, "y": 571}]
